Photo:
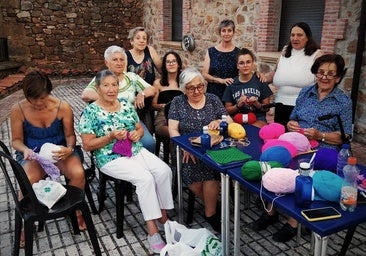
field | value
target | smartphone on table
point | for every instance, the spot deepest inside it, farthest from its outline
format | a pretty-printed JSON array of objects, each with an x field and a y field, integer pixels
[{"x": 324, "y": 213}]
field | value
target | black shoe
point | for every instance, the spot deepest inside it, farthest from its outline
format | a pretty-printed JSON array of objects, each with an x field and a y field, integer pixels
[
  {"x": 285, "y": 234},
  {"x": 264, "y": 221},
  {"x": 215, "y": 222}
]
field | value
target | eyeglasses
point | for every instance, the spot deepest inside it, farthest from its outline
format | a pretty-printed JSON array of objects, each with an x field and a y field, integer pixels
[
  {"x": 171, "y": 62},
  {"x": 198, "y": 87},
  {"x": 321, "y": 74}
]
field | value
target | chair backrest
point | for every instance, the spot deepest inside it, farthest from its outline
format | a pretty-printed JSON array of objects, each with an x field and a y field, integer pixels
[{"x": 21, "y": 180}]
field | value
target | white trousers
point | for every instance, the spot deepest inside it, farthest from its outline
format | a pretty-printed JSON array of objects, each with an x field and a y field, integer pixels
[{"x": 152, "y": 178}]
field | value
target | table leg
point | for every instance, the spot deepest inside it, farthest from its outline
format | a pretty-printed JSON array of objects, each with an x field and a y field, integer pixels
[
  {"x": 224, "y": 213},
  {"x": 321, "y": 243},
  {"x": 179, "y": 184},
  {"x": 236, "y": 218}
]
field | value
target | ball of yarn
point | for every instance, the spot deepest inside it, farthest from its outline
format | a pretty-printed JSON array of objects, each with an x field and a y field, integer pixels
[
  {"x": 276, "y": 142},
  {"x": 326, "y": 159},
  {"x": 249, "y": 118},
  {"x": 299, "y": 140},
  {"x": 252, "y": 170},
  {"x": 327, "y": 186},
  {"x": 46, "y": 151},
  {"x": 271, "y": 131},
  {"x": 280, "y": 180},
  {"x": 277, "y": 153}
]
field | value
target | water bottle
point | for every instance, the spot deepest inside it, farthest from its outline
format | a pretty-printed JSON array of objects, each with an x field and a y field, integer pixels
[
  {"x": 205, "y": 140},
  {"x": 349, "y": 187},
  {"x": 304, "y": 186},
  {"x": 343, "y": 155},
  {"x": 223, "y": 126}
]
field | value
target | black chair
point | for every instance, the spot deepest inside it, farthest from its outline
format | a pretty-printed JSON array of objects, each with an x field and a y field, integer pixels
[
  {"x": 29, "y": 210},
  {"x": 122, "y": 189}
]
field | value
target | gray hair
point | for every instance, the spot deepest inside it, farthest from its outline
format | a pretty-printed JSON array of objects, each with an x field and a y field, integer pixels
[
  {"x": 113, "y": 49},
  {"x": 188, "y": 75},
  {"x": 101, "y": 75},
  {"x": 134, "y": 31},
  {"x": 226, "y": 23}
]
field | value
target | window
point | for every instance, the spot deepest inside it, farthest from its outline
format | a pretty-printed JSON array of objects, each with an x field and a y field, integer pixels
[
  {"x": 310, "y": 11},
  {"x": 177, "y": 20}
]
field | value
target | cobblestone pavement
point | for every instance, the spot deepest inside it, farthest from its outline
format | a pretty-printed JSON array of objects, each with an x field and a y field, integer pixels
[{"x": 58, "y": 239}]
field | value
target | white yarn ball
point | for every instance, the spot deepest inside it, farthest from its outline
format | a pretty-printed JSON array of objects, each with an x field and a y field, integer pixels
[{"x": 46, "y": 151}]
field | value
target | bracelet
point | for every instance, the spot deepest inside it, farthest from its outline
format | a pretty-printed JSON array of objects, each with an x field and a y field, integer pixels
[{"x": 323, "y": 137}]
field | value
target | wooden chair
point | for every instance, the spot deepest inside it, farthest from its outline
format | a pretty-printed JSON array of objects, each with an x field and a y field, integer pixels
[{"x": 29, "y": 210}]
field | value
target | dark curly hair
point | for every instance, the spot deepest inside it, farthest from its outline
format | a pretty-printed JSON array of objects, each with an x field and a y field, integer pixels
[
  {"x": 35, "y": 84},
  {"x": 164, "y": 72}
]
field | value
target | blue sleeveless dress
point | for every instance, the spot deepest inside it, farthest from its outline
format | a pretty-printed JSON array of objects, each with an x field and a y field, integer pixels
[{"x": 145, "y": 69}]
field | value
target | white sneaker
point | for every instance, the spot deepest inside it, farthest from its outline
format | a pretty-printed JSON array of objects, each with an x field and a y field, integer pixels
[{"x": 156, "y": 242}]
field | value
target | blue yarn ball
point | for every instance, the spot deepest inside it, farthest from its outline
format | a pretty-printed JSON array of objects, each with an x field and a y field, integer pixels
[
  {"x": 277, "y": 153},
  {"x": 326, "y": 159}
]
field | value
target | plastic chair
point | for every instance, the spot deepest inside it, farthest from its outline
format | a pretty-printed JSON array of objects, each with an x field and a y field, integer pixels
[
  {"x": 29, "y": 210},
  {"x": 122, "y": 189}
]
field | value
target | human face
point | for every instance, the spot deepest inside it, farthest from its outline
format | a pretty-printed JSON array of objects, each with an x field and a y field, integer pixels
[
  {"x": 298, "y": 38},
  {"x": 116, "y": 63},
  {"x": 227, "y": 33},
  {"x": 327, "y": 77},
  {"x": 245, "y": 64},
  {"x": 139, "y": 41},
  {"x": 195, "y": 89},
  {"x": 108, "y": 89},
  {"x": 171, "y": 63},
  {"x": 39, "y": 103}
]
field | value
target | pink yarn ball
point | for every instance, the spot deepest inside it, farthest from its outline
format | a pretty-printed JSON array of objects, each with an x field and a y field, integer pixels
[
  {"x": 280, "y": 180},
  {"x": 299, "y": 140},
  {"x": 271, "y": 131},
  {"x": 276, "y": 142}
]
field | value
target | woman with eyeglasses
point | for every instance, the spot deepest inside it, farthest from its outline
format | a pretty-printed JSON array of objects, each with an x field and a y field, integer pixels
[
  {"x": 219, "y": 66},
  {"x": 292, "y": 72},
  {"x": 320, "y": 99},
  {"x": 188, "y": 114},
  {"x": 247, "y": 94}
]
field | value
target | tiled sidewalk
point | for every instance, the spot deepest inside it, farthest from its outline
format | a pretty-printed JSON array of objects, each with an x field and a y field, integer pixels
[{"x": 58, "y": 239}]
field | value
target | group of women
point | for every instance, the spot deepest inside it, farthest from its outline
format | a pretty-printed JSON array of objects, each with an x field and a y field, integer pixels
[{"x": 227, "y": 85}]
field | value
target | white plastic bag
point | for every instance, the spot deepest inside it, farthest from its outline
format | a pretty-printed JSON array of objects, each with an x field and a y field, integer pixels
[
  {"x": 182, "y": 241},
  {"x": 48, "y": 192}
]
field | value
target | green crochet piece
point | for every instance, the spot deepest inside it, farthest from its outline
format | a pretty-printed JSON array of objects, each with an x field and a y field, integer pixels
[{"x": 228, "y": 155}]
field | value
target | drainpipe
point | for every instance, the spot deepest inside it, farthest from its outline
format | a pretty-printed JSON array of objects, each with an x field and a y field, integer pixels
[{"x": 358, "y": 59}]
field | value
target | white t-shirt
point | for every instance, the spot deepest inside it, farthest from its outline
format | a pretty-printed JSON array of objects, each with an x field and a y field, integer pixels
[{"x": 292, "y": 74}]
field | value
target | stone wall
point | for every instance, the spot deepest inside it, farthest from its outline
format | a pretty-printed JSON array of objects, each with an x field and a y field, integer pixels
[{"x": 62, "y": 36}]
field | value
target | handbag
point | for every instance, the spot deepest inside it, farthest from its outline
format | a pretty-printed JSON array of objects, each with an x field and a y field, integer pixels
[{"x": 182, "y": 241}]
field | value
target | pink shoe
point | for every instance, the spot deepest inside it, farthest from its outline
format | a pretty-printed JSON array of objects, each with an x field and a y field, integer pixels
[{"x": 156, "y": 242}]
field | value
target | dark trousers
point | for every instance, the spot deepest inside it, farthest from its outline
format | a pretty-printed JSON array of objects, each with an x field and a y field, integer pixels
[{"x": 282, "y": 113}]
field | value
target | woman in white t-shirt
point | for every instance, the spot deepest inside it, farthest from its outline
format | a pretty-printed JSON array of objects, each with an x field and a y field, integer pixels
[{"x": 293, "y": 70}]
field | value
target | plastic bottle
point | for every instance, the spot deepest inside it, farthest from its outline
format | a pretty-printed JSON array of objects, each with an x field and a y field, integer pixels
[
  {"x": 205, "y": 140},
  {"x": 349, "y": 187},
  {"x": 223, "y": 126},
  {"x": 304, "y": 186},
  {"x": 343, "y": 155}
]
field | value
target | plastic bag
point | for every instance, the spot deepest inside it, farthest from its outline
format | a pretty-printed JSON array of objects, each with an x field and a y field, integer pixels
[
  {"x": 48, "y": 192},
  {"x": 182, "y": 241}
]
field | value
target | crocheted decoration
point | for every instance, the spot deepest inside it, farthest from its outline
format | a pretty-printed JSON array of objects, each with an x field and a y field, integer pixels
[
  {"x": 277, "y": 153},
  {"x": 280, "y": 180},
  {"x": 271, "y": 131},
  {"x": 276, "y": 142},
  {"x": 249, "y": 118},
  {"x": 52, "y": 170},
  {"x": 228, "y": 155},
  {"x": 253, "y": 170},
  {"x": 123, "y": 147}
]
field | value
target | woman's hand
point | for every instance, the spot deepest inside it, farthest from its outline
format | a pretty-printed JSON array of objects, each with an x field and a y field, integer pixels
[
  {"x": 187, "y": 156},
  {"x": 226, "y": 81},
  {"x": 140, "y": 100},
  {"x": 293, "y": 126},
  {"x": 119, "y": 134},
  {"x": 134, "y": 136},
  {"x": 62, "y": 153},
  {"x": 27, "y": 154},
  {"x": 214, "y": 125},
  {"x": 312, "y": 134}
]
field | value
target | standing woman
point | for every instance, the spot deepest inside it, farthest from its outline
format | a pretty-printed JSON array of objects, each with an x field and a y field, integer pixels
[
  {"x": 143, "y": 60},
  {"x": 42, "y": 118},
  {"x": 219, "y": 66},
  {"x": 293, "y": 70},
  {"x": 188, "y": 114}
]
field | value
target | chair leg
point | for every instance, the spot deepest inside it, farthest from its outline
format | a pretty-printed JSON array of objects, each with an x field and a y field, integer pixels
[
  {"x": 101, "y": 192},
  {"x": 74, "y": 223},
  {"x": 18, "y": 230},
  {"x": 166, "y": 147},
  {"x": 190, "y": 210},
  {"x": 128, "y": 191},
  {"x": 347, "y": 241},
  {"x": 28, "y": 237},
  {"x": 89, "y": 195},
  {"x": 120, "y": 195},
  {"x": 91, "y": 229}
]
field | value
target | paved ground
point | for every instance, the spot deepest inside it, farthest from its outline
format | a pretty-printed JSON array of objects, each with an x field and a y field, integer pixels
[{"x": 57, "y": 239}]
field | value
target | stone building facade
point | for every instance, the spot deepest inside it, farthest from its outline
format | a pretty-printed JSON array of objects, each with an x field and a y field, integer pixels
[{"x": 62, "y": 36}]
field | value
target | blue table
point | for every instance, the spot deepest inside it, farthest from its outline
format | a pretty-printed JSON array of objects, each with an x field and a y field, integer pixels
[{"x": 252, "y": 149}]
